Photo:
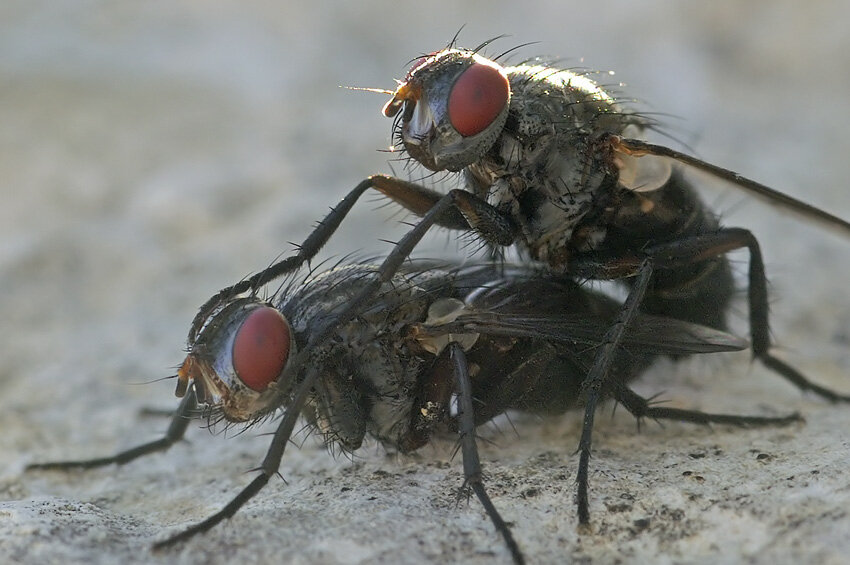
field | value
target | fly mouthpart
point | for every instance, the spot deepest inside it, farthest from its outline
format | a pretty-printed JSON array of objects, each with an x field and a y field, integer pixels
[
  {"x": 405, "y": 91},
  {"x": 207, "y": 387},
  {"x": 422, "y": 123},
  {"x": 187, "y": 372},
  {"x": 392, "y": 107}
]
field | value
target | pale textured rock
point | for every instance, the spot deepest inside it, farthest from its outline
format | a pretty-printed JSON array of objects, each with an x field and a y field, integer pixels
[{"x": 151, "y": 155}]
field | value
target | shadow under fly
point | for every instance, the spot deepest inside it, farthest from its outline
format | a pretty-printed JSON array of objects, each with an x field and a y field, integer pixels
[
  {"x": 555, "y": 165},
  {"x": 434, "y": 348}
]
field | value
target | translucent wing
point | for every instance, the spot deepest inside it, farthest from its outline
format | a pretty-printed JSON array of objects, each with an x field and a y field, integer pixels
[
  {"x": 632, "y": 148},
  {"x": 649, "y": 334},
  {"x": 525, "y": 304}
]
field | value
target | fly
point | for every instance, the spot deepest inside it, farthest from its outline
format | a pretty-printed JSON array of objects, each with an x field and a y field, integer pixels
[
  {"x": 556, "y": 166},
  {"x": 491, "y": 339}
]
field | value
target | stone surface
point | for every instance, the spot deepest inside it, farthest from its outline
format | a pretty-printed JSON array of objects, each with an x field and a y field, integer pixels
[{"x": 152, "y": 153}]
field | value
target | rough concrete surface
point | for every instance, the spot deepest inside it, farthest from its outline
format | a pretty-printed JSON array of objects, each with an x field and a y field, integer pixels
[{"x": 152, "y": 153}]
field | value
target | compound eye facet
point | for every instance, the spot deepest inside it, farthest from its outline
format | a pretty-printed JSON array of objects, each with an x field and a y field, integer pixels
[
  {"x": 261, "y": 348},
  {"x": 477, "y": 98}
]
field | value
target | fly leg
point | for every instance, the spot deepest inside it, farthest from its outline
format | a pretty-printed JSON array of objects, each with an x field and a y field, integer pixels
[
  {"x": 690, "y": 250},
  {"x": 473, "y": 477},
  {"x": 306, "y": 251},
  {"x": 447, "y": 204},
  {"x": 176, "y": 431},
  {"x": 467, "y": 211},
  {"x": 470, "y": 212},
  {"x": 597, "y": 377},
  {"x": 268, "y": 468},
  {"x": 641, "y": 408}
]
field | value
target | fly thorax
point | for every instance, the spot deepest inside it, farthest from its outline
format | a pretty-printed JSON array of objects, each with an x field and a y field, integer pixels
[
  {"x": 368, "y": 383},
  {"x": 541, "y": 184},
  {"x": 552, "y": 230},
  {"x": 386, "y": 369},
  {"x": 545, "y": 170},
  {"x": 338, "y": 402}
]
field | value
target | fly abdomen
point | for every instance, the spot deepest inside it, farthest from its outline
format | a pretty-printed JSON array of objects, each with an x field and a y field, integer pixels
[{"x": 698, "y": 292}]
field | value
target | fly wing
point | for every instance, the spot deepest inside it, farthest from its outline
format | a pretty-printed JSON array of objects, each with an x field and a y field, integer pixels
[
  {"x": 526, "y": 303},
  {"x": 631, "y": 148},
  {"x": 649, "y": 334},
  {"x": 521, "y": 302}
]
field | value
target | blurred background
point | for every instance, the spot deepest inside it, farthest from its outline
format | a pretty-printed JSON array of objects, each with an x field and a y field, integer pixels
[{"x": 152, "y": 153}]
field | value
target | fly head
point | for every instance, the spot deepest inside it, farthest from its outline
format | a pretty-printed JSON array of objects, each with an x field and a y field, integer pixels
[
  {"x": 454, "y": 104},
  {"x": 237, "y": 363}
]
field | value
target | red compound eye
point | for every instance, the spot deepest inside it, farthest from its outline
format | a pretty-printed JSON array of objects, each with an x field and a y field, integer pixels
[
  {"x": 261, "y": 348},
  {"x": 477, "y": 98}
]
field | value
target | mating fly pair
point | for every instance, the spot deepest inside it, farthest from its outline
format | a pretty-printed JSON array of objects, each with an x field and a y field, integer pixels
[{"x": 555, "y": 166}]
